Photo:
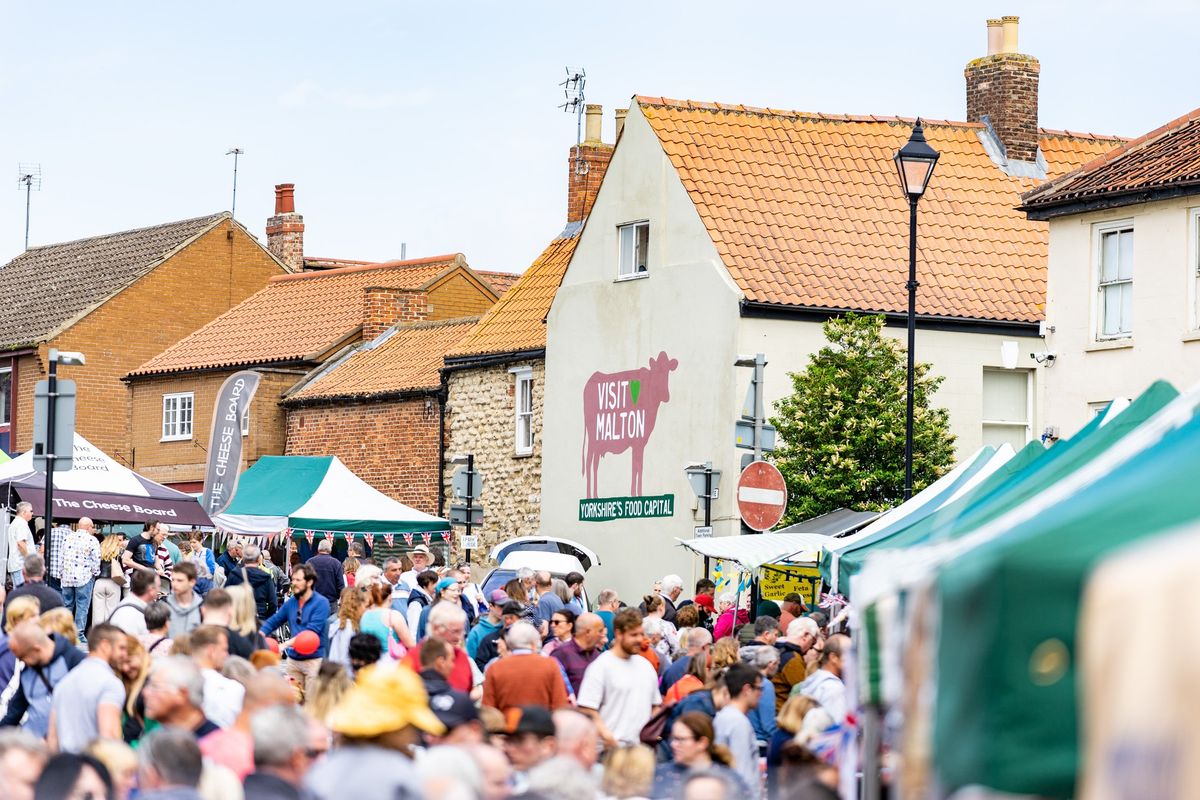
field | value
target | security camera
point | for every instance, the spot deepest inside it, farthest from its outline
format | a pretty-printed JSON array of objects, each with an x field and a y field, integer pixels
[{"x": 1045, "y": 357}]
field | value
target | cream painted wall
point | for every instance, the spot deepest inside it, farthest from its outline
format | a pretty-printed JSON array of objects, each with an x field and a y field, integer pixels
[
  {"x": 688, "y": 308},
  {"x": 959, "y": 357},
  {"x": 1165, "y": 342}
]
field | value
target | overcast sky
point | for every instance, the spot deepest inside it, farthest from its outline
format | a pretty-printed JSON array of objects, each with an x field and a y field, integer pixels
[{"x": 436, "y": 124}]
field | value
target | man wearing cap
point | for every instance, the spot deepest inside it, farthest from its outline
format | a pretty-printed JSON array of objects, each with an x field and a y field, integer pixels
[
  {"x": 452, "y": 707},
  {"x": 528, "y": 741},
  {"x": 792, "y": 607},
  {"x": 380, "y": 718},
  {"x": 489, "y": 644},
  {"x": 421, "y": 559},
  {"x": 489, "y": 622}
]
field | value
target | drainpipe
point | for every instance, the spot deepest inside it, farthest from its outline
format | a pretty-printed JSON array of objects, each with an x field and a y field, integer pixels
[{"x": 443, "y": 395}]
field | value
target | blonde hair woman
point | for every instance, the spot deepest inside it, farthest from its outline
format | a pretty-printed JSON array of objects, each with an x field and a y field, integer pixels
[
  {"x": 60, "y": 621},
  {"x": 323, "y": 695},
  {"x": 121, "y": 762},
  {"x": 244, "y": 618},
  {"x": 111, "y": 583},
  {"x": 628, "y": 772},
  {"x": 20, "y": 609},
  {"x": 135, "y": 669}
]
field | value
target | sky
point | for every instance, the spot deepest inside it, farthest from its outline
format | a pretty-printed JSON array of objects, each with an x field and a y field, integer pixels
[{"x": 437, "y": 125}]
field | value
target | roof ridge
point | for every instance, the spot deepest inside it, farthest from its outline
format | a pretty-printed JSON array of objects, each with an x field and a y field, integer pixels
[
  {"x": 1145, "y": 140},
  {"x": 693, "y": 105},
  {"x": 206, "y": 218},
  {"x": 439, "y": 323},
  {"x": 407, "y": 264}
]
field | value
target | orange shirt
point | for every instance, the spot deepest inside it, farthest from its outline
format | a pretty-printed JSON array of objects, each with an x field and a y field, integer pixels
[
  {"x": 647, "y": 653},
  {"x": 524, "y": 679}
]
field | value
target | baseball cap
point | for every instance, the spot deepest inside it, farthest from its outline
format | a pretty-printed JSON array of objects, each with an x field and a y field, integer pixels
[
  {"x": 498, "y": 597},
  {"x": 512, "y": 607},
  {"x": 529, "y": 719},
  {"x": 421, "y": 549},
  {"x": 385, "y": 698},
  {"x": 453, "y": 709},
  {"x": 705, "y": 601}
]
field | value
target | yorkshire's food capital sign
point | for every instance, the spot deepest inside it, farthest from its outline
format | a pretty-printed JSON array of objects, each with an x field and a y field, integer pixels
[{"x": 619, "y": 413}]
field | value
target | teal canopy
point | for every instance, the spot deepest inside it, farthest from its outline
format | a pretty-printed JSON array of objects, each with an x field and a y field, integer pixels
[{"x": 316, "y": 493}]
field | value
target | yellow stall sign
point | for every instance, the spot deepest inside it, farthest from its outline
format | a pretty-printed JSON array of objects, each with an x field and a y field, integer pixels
[{"x": 777, "y": 581}]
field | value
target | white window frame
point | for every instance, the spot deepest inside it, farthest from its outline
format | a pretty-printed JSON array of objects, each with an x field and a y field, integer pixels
[
  {"x": 11, "y": 391},
  {"x": 1005, "y": 423},
  {"x": 628, "y": 272},
  {"x": 523, "y": 438},
  {"x": 1193, "y": 268},
  {"x": 1099, "y": 231},
  {"x": 178, "y": 435},
  {"x": 246, "y": 423}
]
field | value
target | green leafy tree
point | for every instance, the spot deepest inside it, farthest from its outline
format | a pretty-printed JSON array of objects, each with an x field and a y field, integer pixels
[{"x": 842, "y": 428}]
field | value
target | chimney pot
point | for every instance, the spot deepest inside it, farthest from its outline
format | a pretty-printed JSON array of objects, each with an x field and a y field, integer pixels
[
  {"x": 1009, "y": 44},
  {"x": 593, "y": 115},
  {"x": 995, "y": 36},
  {"x": 285, "y": 200},
  {"x": 620, "y": 116}
]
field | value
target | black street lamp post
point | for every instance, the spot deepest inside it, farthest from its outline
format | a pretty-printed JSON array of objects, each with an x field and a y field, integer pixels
[{"x": 914, "y": 163}]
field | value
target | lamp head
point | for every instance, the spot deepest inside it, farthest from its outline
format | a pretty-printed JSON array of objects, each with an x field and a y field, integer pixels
[{"x": 915, "y": 162}]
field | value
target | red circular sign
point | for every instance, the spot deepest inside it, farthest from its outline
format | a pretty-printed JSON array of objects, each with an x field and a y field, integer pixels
[{"x": 761, "y": 496}]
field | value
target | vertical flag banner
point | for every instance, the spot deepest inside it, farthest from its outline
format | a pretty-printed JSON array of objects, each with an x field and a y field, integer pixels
[{"x": 225, "y": 440}]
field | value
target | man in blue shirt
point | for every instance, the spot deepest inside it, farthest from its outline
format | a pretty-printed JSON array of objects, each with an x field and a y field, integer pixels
[{"x": 304, "y": 611}]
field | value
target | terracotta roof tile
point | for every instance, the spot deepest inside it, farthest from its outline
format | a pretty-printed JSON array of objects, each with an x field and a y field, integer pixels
[
  {"x": 516, "y": 322},
  {"x": 1166, "y": 157},
  {"x": 804, "y": 209},
  {"x": 406, "y": 358},
  {"x": 295, "y": 317},
  {"x": 500, "y": 281},
  {"x": 48, "y": 287}
]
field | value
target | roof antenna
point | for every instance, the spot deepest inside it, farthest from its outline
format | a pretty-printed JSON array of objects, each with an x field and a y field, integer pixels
[
  {"x": 235, "y": 152},
  {"x": 573, "y": 92},
  {"x": 29, "y": 177}
]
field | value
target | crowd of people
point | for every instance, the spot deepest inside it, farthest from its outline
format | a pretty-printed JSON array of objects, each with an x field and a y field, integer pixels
[{"x": 130, "y": 671}]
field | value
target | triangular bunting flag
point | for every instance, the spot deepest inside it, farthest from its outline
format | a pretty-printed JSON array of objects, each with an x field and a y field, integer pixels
[
  {"x": 428, "y": 539},
  {"x": 388, "y": 537},
  {"x": 408, "y": 539},
  {"x": 370, "y": 537},
  {"x": 309, "y": 535}
]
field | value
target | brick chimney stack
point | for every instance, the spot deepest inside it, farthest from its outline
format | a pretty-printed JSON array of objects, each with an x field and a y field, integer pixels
[
  {"x": 285, "y": 230},
  {"x": 1003, "y": 87},
  {"x": 383, "y": 307},
  {"x": 585, "y": 169}
]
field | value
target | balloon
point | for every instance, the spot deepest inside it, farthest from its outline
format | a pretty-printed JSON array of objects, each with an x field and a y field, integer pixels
[
  {"x": 273, "y": 644},
  {"x": 306, "y": 643}
]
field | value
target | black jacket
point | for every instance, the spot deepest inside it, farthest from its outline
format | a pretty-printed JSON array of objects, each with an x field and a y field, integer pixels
[
  {"x": 263, "y": 585},
  {"x": 19, "y": 704},
  {"x": 329, "y": 577}
]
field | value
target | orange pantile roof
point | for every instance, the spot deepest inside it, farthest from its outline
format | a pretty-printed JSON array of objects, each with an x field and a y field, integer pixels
[
  {"x": 405, "y": 359},
  {"x": 517, "y": 322},
  {"x": 500, "y": 281},
  {"x": 1166, "y": 158},
  {"x": 805, "y": 209},
  {"x": 295, "y": 317}
]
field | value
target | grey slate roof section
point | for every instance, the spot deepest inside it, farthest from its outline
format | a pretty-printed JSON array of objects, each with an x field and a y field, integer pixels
[
  {"x": 48, "y": 288},
  {"x": 838, "y": 522}
]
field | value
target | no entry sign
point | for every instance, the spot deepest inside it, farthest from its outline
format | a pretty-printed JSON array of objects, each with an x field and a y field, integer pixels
[{"x": 761, "y": 496}]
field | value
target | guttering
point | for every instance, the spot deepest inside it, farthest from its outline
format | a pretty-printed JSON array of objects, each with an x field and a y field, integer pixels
[
  {"x": 1040, "y": 212},
  {"x": 930, "y": 322},
  {"x": 495, "y": 359},
  {"x": 281, "y": 366}
]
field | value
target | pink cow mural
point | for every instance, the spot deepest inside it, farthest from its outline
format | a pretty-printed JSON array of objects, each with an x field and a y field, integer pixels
[{"x": 619, "y": 411}]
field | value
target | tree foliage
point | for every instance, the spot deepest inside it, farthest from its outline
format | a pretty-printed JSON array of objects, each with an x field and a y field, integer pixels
[{"x": 842, "y": 428}]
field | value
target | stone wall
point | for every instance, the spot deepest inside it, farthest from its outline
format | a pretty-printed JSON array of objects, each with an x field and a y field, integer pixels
[{"x": 480, "y": 419}]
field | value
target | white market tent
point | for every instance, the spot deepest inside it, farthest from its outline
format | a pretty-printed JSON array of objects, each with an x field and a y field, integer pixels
[
  {"x": 752, "y": 552},
  {"x": 316, "y": 494}
]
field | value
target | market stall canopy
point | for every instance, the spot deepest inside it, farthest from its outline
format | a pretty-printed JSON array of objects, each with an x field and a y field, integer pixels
[
  {"x": 98, "y": 487},
  {"x": 316, "y": 493},
  {"x": 751, "y": 552},
  {"x": 838, "y": 522}
]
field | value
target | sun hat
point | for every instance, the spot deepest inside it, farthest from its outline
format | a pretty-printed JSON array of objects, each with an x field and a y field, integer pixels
[
  {"x": 385, "y": 698},
  {"x": 420, "y": 549}
]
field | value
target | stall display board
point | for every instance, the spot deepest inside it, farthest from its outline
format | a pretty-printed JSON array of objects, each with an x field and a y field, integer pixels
[{"x": 777, "y": 581}]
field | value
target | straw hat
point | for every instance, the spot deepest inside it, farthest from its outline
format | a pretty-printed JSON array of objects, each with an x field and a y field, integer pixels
[{"x": 384, "y": 699}]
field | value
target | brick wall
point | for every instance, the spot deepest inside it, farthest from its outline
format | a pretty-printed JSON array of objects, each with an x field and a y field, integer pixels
[
  {"x": 391, "y": 445},
  {"x": 194, "y": 286},
  {"x": 384, "y": 307},
  {"x": 480, "y": 419},
  {"x": 184, "y": 461},
  {"x": 1004, "y": 87},
  {"x": 582, "y": 188},
  {"x": 456, "y": 296}
]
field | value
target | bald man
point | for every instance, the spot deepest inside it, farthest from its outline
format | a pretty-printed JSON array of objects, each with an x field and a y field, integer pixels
[
  {"x": 233, "y": 747},
  {"x": 49, "y": 658},
  {"x": 80, "y": 567},
  {"x": 583, "y": 649}
]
